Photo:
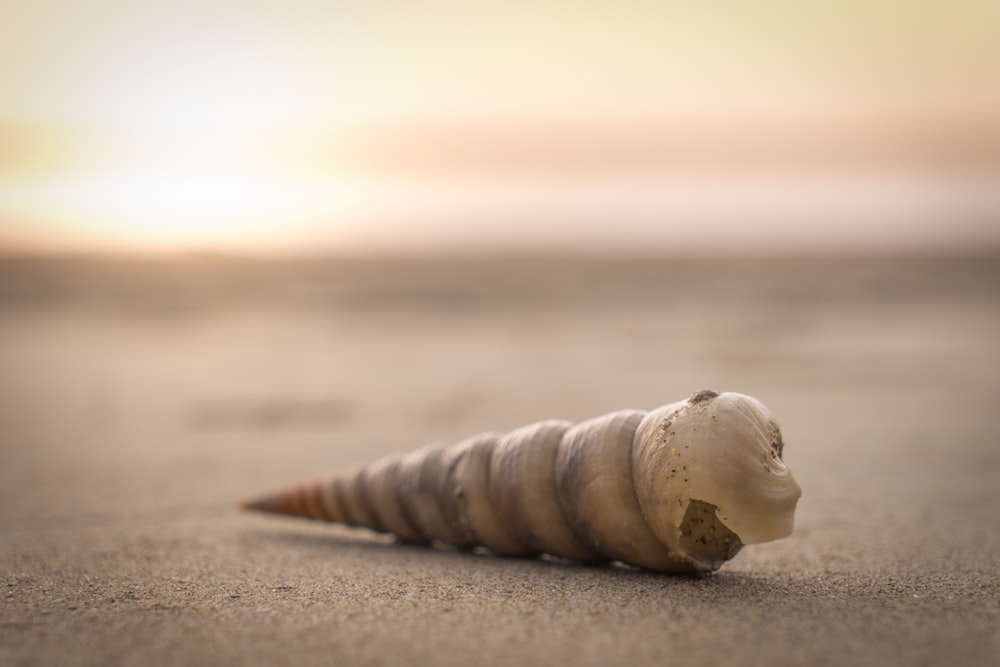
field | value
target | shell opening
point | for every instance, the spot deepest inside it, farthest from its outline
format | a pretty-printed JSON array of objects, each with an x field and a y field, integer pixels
[{"x": 705, "y": 538}]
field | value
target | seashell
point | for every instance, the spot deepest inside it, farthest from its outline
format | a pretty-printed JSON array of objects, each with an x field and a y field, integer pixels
[{"x": 680, "y": 488}]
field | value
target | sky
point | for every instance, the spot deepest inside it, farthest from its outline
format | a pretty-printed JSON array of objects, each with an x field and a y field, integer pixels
[{"x": 309, "y": 125}]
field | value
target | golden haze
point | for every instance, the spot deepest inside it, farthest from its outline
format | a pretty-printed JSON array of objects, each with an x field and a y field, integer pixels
[{"x": 306, "y": 126}]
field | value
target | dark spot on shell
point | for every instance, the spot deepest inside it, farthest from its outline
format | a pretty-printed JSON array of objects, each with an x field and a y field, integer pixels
[
  {"x": 775, "y": 441},
  {"x": 703, "y": 395}
]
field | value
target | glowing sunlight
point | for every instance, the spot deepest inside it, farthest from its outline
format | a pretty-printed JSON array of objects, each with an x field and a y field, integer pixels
[
  {"x": 178, "y": 188},
  {"x": 217, "y": 125}
]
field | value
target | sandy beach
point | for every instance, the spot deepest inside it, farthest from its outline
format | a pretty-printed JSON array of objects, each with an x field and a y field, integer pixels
[{"x": 141, "y": 400}]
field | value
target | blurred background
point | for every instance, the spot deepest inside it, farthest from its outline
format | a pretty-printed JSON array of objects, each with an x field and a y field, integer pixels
[
  {"x": 245, "y": 243},
  {"x": 343, "y": 127}
]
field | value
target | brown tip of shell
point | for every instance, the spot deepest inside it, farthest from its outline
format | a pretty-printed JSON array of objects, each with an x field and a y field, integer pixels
[
  {"x": 297, "y": 501},
  {"x": 276, "y": 504}
]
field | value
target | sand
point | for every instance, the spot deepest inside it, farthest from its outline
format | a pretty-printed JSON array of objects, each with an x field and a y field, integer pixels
[{"x": 139, "y": 401}]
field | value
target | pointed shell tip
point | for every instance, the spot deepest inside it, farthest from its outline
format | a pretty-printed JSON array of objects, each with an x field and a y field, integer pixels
[{"x": 270, "y": 504}]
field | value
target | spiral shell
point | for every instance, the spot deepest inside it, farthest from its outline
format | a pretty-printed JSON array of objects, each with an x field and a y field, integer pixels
[{"x": 680, "y": 488}]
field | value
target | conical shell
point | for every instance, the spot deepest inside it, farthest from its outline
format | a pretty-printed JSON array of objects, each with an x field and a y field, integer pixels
[{"x": 677, "y": 489}]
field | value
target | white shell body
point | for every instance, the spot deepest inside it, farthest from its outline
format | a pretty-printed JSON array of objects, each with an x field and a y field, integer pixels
[{"x": 677, "y": 489}]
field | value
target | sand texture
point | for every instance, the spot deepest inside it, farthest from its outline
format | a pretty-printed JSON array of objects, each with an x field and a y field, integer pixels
[{"x": 140, "y": 401}]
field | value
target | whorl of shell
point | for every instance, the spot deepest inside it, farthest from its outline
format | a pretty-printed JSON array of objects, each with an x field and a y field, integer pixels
[{"x": 677, "y": 489}]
